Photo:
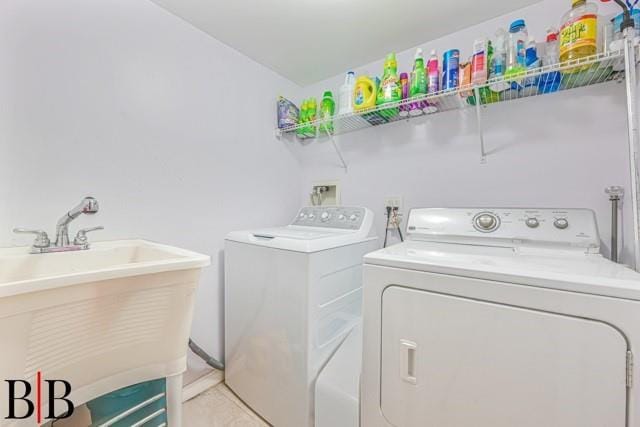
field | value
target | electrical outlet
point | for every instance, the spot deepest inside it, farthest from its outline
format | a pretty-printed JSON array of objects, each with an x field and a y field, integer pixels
[{"x": 393, "y": 201}]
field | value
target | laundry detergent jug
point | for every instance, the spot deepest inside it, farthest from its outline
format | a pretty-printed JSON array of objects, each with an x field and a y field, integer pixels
[{"x": 364, "y": 93}]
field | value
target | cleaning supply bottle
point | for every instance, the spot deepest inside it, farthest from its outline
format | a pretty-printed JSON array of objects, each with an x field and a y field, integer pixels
[
  {"x": 302, "y": 120},
  {"x": 530, "y": 84},
  {"x": 327, "y": 110},
  {"x": 312, "y": 115},
  {"x": 479, "y": 71},
  {"x": 418, "y": 85},
  {"x": 579, "y": 33},
  {"x": 346, "y": 94},
  {"x": 433, "y": 73},
  {"x": 405, "y": 86},
  {"x": 499, "y": 62},
  {"x": 550, "y": 82},
  {"x": 516, "y": 54},
  {"x": 364, "y": 93},
  {"x": 516, "y": 58},
  {"x": 389, "y": 90}
]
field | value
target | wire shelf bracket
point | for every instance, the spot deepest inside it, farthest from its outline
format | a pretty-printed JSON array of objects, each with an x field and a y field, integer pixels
[
  {"x": 336, "y": 147},
  {"x": 483, "y": 152}
]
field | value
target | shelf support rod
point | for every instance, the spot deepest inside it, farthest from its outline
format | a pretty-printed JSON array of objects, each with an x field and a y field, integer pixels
[
  {"x": 483, "y": 153},
  {"x": 335, "y": 147},
  {"x": 634, "y": 136}
]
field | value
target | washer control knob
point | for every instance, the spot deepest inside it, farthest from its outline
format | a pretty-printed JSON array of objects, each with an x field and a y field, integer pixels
[
  {"x": 312, "y": 216},
  {"x": 325, "y": 216},
  {"x": 532, "y": 222},
  {"x": 561, "y": 223},
  {"x": 486, "y": 222},
  {"x": 353, "y": 217},
  {"x": 303, "y": 215},
  {"x": 341, "y": 217}
]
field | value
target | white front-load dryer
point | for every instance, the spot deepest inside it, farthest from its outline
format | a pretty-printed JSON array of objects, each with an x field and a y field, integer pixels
[
  {"x": 292, "y": 295},
  {"x": 499, "y": 318}
]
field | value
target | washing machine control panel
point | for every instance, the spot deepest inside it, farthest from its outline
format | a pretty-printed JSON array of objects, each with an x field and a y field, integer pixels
[
  {"x": 570, "y": 227},
  {"x": 345, "y": 218}
]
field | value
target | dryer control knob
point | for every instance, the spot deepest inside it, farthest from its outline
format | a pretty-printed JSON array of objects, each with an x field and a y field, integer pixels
[
  {"x": 341, "y": 217},
  {"x": 353, "y": 217},
  {"x": 561, "y": 223},
  {"x": 532, "y": 222},
  {"x": 312, "y": 216},
  {"x": 486, "y": 222},
  {"x": 325, "y": 216}
]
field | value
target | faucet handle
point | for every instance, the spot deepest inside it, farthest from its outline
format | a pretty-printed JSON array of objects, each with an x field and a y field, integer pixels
[
  {"x": 81, "y": 236},
  {"x": 42, "y": 239}
]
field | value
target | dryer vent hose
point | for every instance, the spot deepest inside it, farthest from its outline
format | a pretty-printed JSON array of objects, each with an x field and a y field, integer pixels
[{"x": 204, "y": 356}]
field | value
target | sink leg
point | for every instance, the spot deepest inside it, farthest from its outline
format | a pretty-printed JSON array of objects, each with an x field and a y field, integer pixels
[{"x": 174, "y": 401}]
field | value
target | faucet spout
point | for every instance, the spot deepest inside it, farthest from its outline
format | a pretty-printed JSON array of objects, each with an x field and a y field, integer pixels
[{"x": 88, "y": 206}]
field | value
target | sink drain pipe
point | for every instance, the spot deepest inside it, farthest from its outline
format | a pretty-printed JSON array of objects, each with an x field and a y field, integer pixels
[{"x": 204, "y": 356}]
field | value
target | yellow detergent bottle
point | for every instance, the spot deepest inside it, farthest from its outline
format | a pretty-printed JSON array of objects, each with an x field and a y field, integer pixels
[{"x": 364, "y": 93}]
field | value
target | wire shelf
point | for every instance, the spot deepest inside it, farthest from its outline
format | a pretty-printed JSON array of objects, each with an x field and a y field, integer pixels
[{"x": 535, "y": 82}]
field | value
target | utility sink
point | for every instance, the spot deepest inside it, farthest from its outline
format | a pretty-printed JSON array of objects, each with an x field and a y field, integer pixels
[{"x": 114, "y": 315}]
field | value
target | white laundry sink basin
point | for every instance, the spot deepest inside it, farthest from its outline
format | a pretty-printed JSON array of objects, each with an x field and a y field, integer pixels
[{"x": 105, "y": 318}]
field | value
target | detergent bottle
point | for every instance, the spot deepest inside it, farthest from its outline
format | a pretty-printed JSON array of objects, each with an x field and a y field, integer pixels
[
  {"x": 419, "y": 85},
  {"x": 579, "y": 33},
  {"x": 302, "y": 119},
  {"x": 550, "y": 82},
  {"x": 389, "y": 90},
  {"x": 327, "y": 110},
  {"x": 516, "y": 54},
  {"x": 364, "y": 93},
  {"x": 404, "y": 85},
  {"x": 433, "y": 73},
  {"x": 312, "y": 115},
  {"x": 479, "y": 62},
  {"x": 346, "y": 94},
  {"x": 499, "y": 62}
]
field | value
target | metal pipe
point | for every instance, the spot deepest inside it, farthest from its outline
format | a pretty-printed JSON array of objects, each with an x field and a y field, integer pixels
[
  {"x": 615, "y": 194},
  {"x": 614, "y": 229},
  {"x": 633, "y": 136}
]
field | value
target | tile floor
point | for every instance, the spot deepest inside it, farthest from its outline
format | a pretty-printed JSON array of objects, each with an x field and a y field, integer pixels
[{"x": 219, "y": 407}]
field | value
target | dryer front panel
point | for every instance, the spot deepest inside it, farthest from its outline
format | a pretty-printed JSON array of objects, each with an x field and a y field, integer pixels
[{"x": 456, "y": 362}]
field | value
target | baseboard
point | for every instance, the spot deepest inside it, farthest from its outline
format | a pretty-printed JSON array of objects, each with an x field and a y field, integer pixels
[{"x": 202, "y": 384}]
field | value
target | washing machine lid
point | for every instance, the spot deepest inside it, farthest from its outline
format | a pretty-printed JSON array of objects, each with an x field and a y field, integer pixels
[
  {"x": 550, "y": 268},
  {"x": 313, "y": 229}
]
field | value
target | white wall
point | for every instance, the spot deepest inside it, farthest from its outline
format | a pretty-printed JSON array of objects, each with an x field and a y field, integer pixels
[
  {"x": 171, "y": 130},
  {"x": 560, "y": 150}
]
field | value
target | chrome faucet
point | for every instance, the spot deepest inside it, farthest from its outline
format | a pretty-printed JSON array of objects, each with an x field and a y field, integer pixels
[
  {"x": 88, "y": 206},
  {"x": 42, "y": 244}
]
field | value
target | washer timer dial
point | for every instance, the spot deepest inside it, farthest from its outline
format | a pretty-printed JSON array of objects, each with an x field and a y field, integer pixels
[{"x": 486, "y": 222}]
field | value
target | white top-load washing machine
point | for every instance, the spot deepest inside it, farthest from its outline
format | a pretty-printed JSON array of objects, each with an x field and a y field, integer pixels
[
  {"x": 500, "y": 318},
  {"x": 291, "y": 296}
]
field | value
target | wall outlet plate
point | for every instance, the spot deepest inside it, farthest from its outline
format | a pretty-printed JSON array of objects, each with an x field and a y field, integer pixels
[
  {"x": 394, "y": 202},
  {"x": 325, "y": 193}
]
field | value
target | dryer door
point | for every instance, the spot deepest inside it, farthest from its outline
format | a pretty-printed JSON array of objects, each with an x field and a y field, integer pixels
[{"x": 455, "y": 362}]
